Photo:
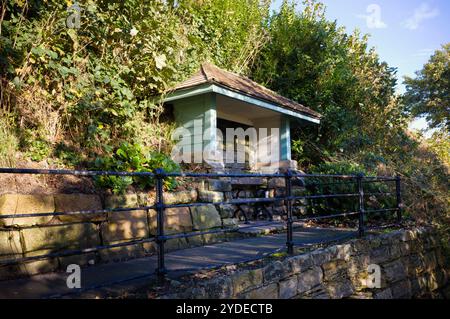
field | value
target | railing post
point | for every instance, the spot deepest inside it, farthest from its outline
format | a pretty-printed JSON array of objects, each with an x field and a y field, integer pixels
[
  {"x": 288, "y": 195},
  {"x": 161, "y": 270},
  {"x": 399, "y": 198},
  {"x": 359, "y": 179}
]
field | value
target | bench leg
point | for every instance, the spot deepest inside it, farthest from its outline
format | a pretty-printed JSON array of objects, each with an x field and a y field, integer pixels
[{"x": 235, "y": 215}]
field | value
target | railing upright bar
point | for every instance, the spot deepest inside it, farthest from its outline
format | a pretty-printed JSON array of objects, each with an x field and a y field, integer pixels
[
  {"x": 161, "y": 270},
  {"x": 288, "y": 197},
  {"x": 398, "y": 191},
  {"x": 359, "y": 180}
]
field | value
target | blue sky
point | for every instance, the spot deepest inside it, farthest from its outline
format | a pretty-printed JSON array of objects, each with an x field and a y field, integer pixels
[{"x": 405, "y": 33}]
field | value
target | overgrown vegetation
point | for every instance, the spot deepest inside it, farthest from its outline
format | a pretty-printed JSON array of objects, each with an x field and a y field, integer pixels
[
  {"x": 78, "y": 95},
  {"x": 132, "y": 158},
  {"x": 364, "y": 127}
]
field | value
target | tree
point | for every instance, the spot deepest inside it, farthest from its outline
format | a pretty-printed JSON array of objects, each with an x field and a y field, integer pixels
[
  {"x": 313, "y": 61},
  {"x": 428, "y": 94}
]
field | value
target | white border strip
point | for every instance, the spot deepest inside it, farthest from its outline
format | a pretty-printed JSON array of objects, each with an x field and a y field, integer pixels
[{"x": 238, "y": 96}]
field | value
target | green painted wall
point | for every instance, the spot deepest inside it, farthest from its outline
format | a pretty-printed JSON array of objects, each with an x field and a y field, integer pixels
[{"x": 200, "y": 110}]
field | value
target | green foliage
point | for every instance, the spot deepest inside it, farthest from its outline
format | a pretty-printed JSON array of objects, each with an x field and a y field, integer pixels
[
  {"x": 339, "y": 186},
  {"x": 39, "y": 150},
  {"x": 313, "y": 61},
  {"x": 68, "y": 156},
  {"x": 132, "y": 158},
  {"x": 339, "y": 168},
  {"x": 428, "y": 94},
  {"x": 90, "y": 84},
  {"x": 439, "y": 143}
]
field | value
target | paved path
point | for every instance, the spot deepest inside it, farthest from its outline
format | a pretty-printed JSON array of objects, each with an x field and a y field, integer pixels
[{"x": 178, "y": 263}]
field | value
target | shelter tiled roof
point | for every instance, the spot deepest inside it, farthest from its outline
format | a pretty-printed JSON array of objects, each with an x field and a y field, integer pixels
[{"x": 209, "y": 73}]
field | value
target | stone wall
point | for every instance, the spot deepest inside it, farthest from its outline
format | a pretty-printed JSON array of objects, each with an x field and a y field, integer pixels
[
  {"x": 411, "y": 261},
  {"x": 34, "y": 236},
  {"x": 27, "y": 237}
]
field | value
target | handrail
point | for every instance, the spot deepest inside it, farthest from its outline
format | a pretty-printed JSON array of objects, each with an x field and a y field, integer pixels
[{"x": 159, "y": 175}]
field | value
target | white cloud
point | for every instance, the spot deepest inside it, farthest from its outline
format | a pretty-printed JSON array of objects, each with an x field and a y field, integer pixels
[
  {"x": 423, "y": 12},
  {"x": 373, "y": 19}
]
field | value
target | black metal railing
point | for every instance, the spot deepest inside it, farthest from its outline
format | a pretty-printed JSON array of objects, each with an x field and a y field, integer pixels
[{"x": 159, "y": 176}]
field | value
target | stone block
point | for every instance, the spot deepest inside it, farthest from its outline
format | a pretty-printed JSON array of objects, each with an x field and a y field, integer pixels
[
  {"x": 358, "y": 263},
  {"x": 334, "y": 268},
  {"x": 219, "y": 288},
  {"x": 401, "y": 290},
  {"x": 227, "y": 211},
  {"x": 60, "y": 237},
  {"x": 320, "y": 256},
  {"x": 379, "y": 255},
  {"x": 344, "y": 252},
  {"x": 219, "y": 185},
  {"x": 395, "y": 251},
  {"x": 394, "y": 271},
  {"x": 180, "y": 197},
  {"x": 265, "y": 292},
  {"x": 359, "y": 280},
  {"x": 121, "y": 201},
  {"x": 210, "y": 196},
  {"x": 78, "y": 202},
  {"x": 309, "y": 279},
  {"x": 275, "y": 271},
  {"x": 257, "y": 181},
  {"x": 10, "y": 242},
  {"x": 244, "y": 280},
  {"x": 205, "y": 217},
  {"x": 299, "y": 263},
  {"x": 383, "y": 294},
  {"x": 125, "y": 226},
  {"x": 17, "y": 204},
  {"x": 176, "y": 220},
  {"x": 288, "y": 288},
  {"x": 406, "y": 248},
  {"x": 340, "y": 289},
  {"x": 230, "y": 222}
]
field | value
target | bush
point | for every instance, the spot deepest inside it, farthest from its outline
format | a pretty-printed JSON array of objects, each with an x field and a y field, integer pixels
[
  {"x": 316, "y": 186},
  {"x": 132, "y": 158}
]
